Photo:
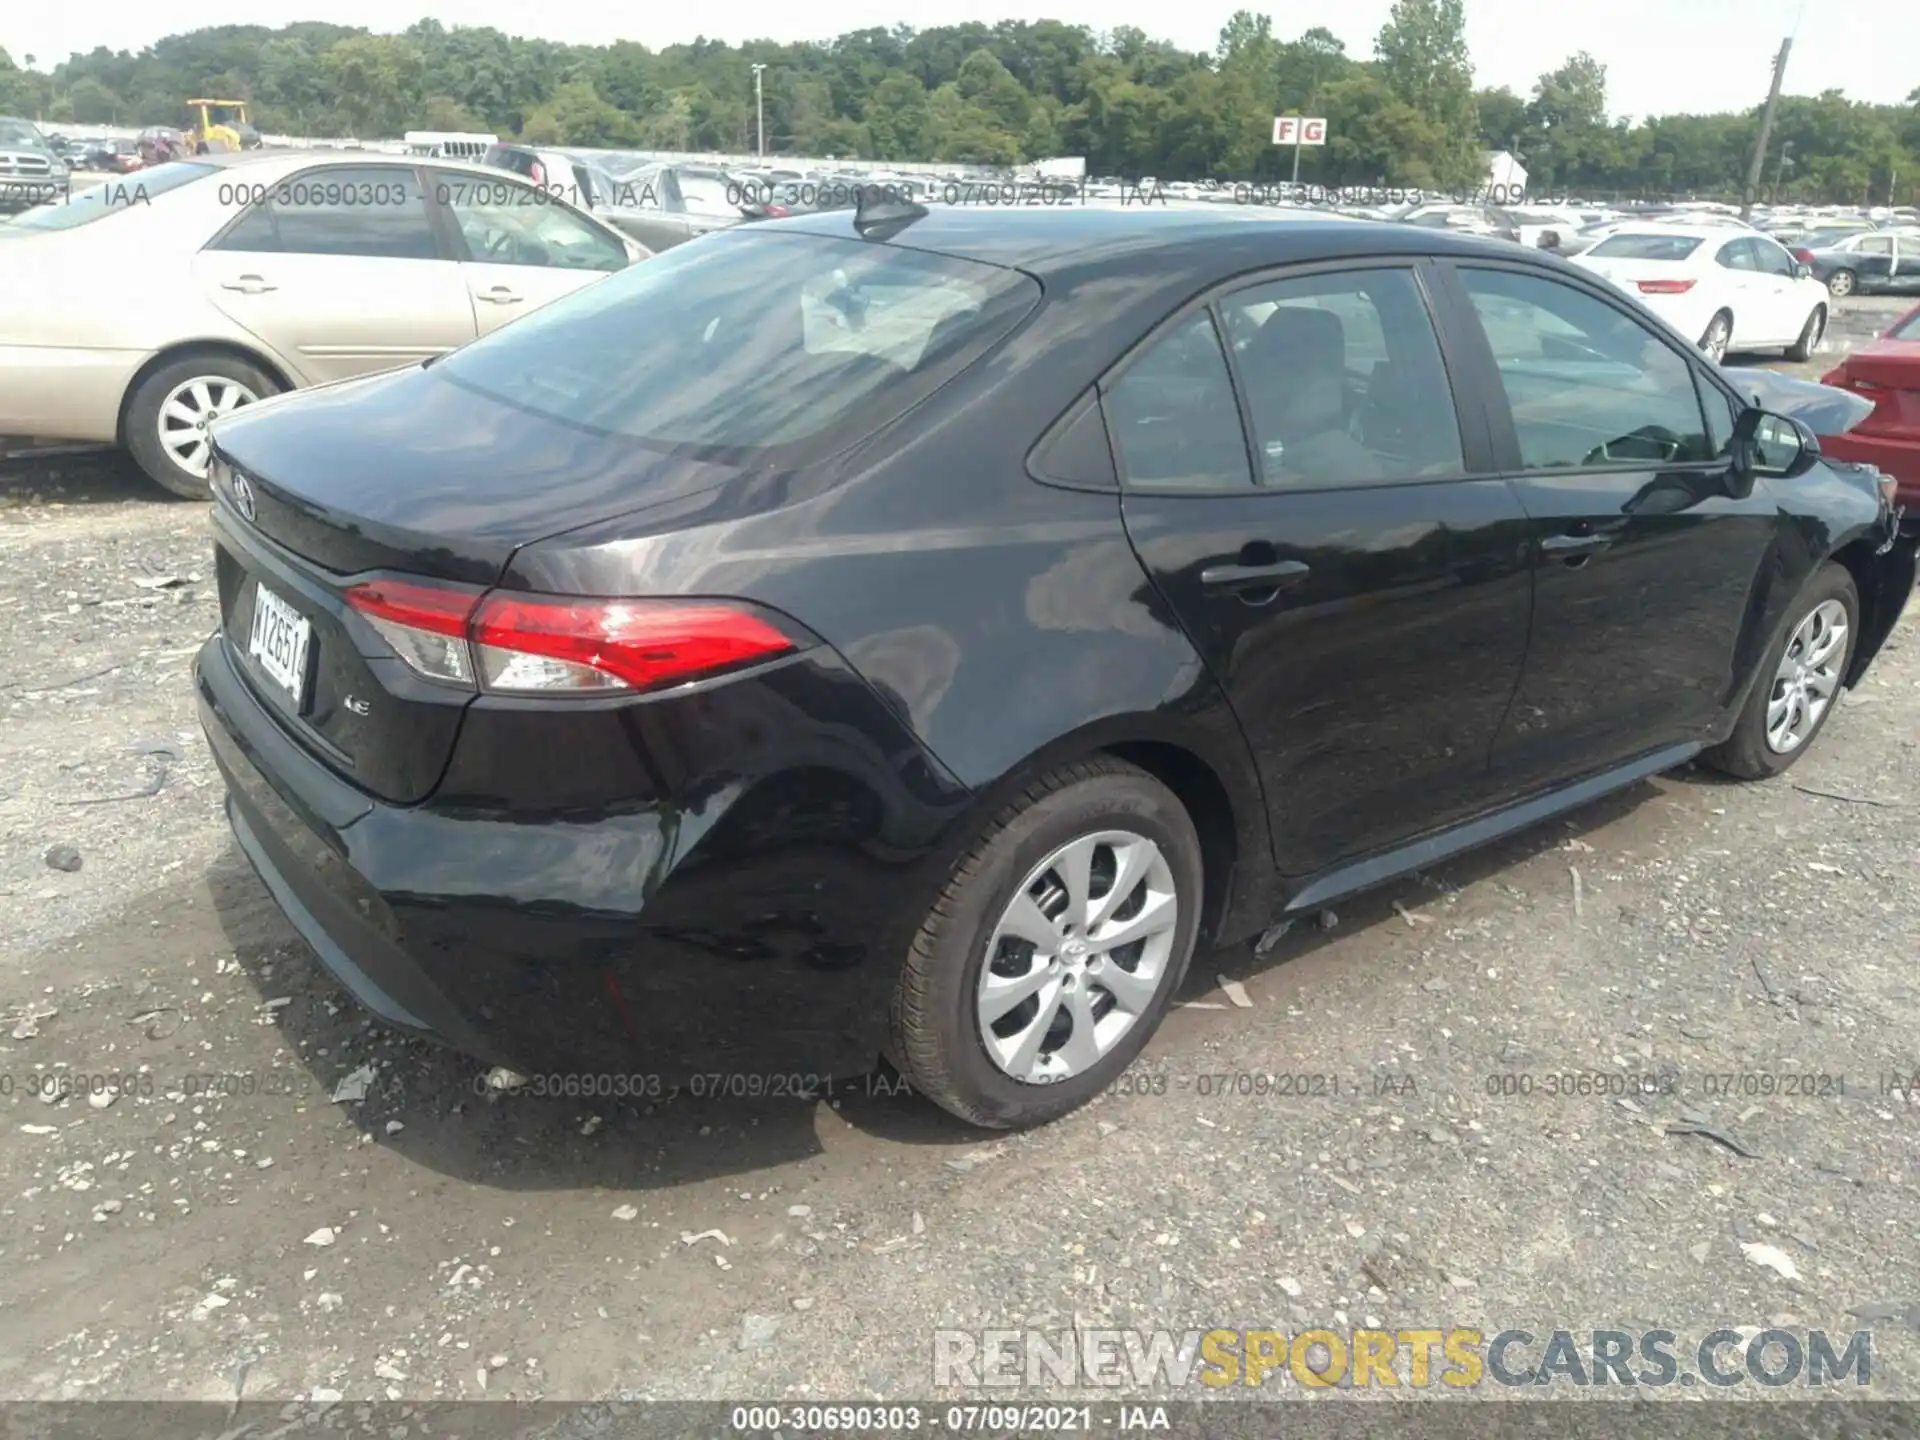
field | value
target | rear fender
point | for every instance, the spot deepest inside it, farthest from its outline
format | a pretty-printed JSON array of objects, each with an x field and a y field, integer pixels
[{"x": 1884, "y": 575}]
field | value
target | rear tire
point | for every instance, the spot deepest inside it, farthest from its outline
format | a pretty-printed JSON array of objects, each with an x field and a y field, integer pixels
[
  {"x": 1842, "y": 282},
  {"x": 939, "y": 1040},
  {"x": 161, "y": 442},
  {"x": 1719, "y": 335},
  {"x": 1816, "y": 326},
  {"x": 1754, "y": 751}
]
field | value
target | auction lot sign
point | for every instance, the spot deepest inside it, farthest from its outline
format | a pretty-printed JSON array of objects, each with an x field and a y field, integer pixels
[{"x": 1299, "y": 130}]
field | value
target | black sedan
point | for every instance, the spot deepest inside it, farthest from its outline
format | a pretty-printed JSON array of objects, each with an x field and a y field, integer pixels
[{"x": 907, "y": 633}]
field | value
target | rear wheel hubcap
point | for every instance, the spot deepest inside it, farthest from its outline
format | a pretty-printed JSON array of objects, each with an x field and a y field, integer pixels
[
  {"x": 1077, "y": 956},
  {"x": 190, "y": 407}
]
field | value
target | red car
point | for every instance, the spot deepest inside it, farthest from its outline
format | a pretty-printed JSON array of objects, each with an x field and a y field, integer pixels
[{"x": 1887, "y": 372}]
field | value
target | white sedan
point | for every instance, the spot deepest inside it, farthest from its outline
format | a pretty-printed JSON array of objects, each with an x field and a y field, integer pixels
[{"x": 1730, "y": 287}]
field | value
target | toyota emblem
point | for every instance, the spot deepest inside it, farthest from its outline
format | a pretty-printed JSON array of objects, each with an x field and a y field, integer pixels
[{"x": 243, "y": 495}]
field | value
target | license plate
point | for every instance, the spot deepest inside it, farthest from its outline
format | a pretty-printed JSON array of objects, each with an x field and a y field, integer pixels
[{"x": 279, "y": 642}]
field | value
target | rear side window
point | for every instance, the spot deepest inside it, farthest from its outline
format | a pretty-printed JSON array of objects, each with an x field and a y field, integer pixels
[
  {"x": 1344, "y": 380},
  {"x": 1174, "y": 420},
  {"x": 366, "y": 213},
  {"x": 1645, "y": 247},
  {"x": 750, "y": 342}
]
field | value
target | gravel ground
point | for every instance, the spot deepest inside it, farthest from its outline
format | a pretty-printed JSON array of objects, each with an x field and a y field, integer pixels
[{"x": 229, "y": 1221}]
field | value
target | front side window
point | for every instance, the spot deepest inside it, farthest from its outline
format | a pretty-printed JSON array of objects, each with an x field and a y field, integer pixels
[
  {"x": 1173, "y": 416},
  {"x": 1588, "y": 385},
  {"x": 1772, "y": 259},
  {"x": 1874, "y": 245},
  {"x": 1344, "y": 380},
  {"x": 373, "y": 212},
  {"x": 504, "y": 222},
  {"x": 750, "y": 341}
]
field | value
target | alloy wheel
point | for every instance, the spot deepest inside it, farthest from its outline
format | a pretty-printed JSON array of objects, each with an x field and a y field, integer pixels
[
  {"x": 1808, "y": 677},
  {"x": 1841, "y": 283},
  {"x": 1715, "y": 344},
  {"x": 190, "y": 407},
  {"x": 1077, "y": 956}
]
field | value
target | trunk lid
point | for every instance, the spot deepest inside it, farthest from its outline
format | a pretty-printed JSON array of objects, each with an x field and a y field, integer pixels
[
  {"x": 401, "y": 474},
  {"x": 1888, "y": 374},
  {"x": 409, "y": 471}
]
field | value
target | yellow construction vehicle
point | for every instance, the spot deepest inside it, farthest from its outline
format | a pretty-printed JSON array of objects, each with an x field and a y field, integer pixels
[{"x": 223, "y": 127}]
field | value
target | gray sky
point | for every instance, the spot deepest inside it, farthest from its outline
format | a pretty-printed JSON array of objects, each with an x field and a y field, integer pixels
[{"x": 1661, "y": 55}]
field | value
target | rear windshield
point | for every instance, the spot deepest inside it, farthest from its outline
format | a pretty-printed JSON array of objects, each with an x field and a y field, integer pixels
[
  {"x": 1645, "y": 247},
  {"x": 115, "y": 197},
  {"x": 750, "y": 341}
]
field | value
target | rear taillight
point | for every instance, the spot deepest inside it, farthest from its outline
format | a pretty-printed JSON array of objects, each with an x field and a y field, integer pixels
[
  {"x": 1664, "y": 287},
  {"x": 518, "y": 644},
  {"x": 533, "y": 643},
  {"x": 425, "y": 624},
  {"x": 1803, "y": 255},
  {"x": 538, "y": 174},
  {"x": 778, "y": 212}
]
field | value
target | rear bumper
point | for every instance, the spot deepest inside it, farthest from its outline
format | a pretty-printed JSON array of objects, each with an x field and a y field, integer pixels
[
  {"x": 59, "y": 393},
  {"x": 633, "y": 942}
]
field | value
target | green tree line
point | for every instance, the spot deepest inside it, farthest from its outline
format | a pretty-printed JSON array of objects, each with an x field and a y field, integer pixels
[{"x": 1407, "y": 114}]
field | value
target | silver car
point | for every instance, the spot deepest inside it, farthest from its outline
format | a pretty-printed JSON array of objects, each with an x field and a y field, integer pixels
[
  {"x": 139, "y": 312},
  {"x": 32, "y": 172}
]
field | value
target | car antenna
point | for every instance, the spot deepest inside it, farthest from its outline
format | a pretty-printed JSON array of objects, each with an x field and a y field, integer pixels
[{"x": 880, "y": 212}]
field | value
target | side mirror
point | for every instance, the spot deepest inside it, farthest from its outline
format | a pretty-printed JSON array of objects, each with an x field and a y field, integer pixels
[
  {"x": 1802, "y": 270},
  {"x": 1769, "y": 444}
]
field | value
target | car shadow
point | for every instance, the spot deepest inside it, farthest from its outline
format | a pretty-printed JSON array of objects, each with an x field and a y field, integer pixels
[
  {"x": 435, "y": 1107},
  {"x": 102, "y": 476}
]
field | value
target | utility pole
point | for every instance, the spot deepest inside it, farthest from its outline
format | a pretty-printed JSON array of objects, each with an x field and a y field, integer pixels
[
  {"x": 1780, "y": 170},
  {"x": 760, "y": 111},
  {"x": 1766, "y": 131}
]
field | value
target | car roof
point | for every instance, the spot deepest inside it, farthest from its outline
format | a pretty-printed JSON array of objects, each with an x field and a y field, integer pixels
[{"x": 1043, "y": 240}]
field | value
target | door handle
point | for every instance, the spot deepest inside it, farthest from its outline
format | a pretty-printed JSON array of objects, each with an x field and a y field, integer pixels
[
  {"x": 1574, "y": 547},
  {"x": 498, "y": 295},
  {"x": 248, "y": 285},
  {"x": 1283, "y": 575}
]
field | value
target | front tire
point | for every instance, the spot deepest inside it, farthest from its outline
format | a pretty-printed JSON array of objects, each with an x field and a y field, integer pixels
[
  {"x": 1810, "y": 333},
  {"x": 1799, "y": 683},
  {"x": 170, "y": 410},
  {"x": 1054, "y": 950}
]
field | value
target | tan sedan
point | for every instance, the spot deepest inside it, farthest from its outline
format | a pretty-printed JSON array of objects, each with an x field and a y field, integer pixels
[{"x": 139, "y": 312}]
